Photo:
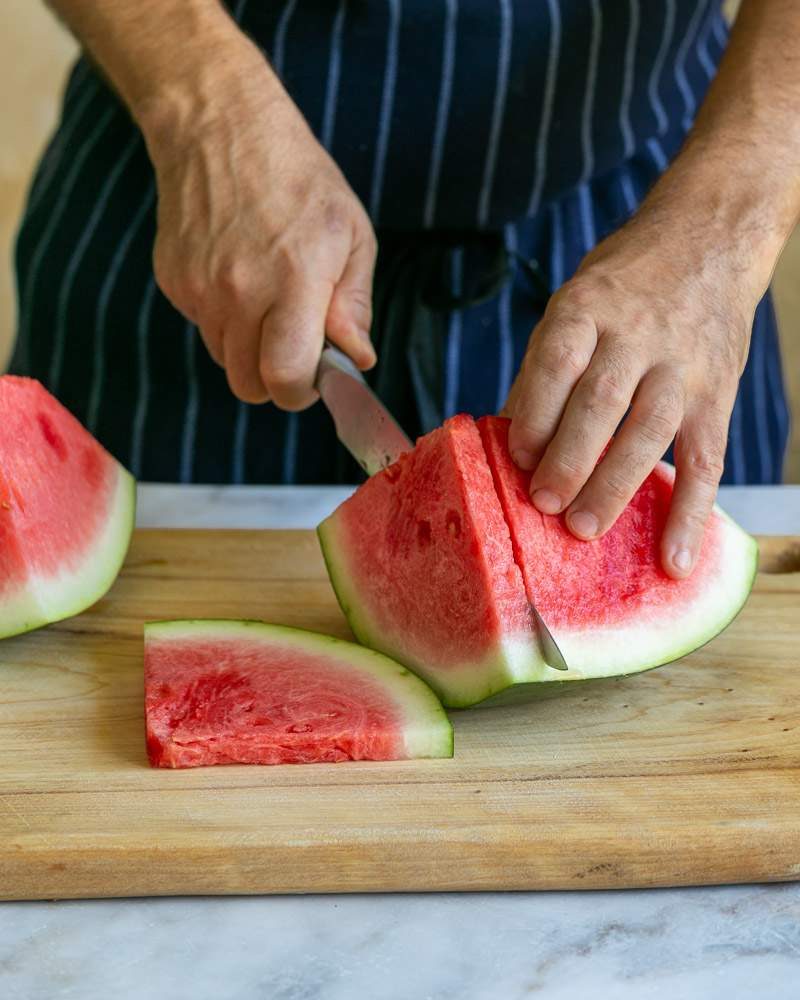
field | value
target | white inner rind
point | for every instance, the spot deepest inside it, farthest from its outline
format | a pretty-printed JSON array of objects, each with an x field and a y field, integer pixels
[
  {"x": 44, "y": 599},
  {"x": 426, "y": 729},
  {"x": 652, "y": 636},
  {"x": 663, "y": 633}
]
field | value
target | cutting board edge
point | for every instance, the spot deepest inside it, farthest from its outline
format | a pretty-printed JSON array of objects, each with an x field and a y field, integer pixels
[{"x": 197, "y": 873}]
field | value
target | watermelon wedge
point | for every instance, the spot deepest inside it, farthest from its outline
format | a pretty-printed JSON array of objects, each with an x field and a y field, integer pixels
[
  {"x": 436, "y": 559},
  {"x": 608, "y": 603},
  {"x": 66, "y": 511},
  {"x": 245, "y": 692},
  {"x": 421, "y": 561}
]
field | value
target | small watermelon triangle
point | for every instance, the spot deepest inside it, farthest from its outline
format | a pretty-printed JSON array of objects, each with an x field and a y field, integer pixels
[{"x": 66, "y": 510}]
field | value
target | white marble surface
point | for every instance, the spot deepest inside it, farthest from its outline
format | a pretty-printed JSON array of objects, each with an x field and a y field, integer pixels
[
  {"x": 677, "y": 944},
  {"x": 765, "y": 510}
]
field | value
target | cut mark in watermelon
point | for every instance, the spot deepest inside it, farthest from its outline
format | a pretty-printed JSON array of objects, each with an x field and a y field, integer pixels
[
  {"x": 608, "y": 602},
  {"x": 597, "y": 582},
  {"x": 226, "y": 692},
  {"x": 426, "y": 542},
  {"x": 437, "y": 560}
]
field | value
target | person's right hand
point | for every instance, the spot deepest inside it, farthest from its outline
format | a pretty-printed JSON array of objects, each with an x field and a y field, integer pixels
[{"x": 260, "y": 241}]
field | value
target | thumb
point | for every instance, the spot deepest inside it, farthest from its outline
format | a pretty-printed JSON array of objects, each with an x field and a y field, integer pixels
[{"x": 349, "y": 317}]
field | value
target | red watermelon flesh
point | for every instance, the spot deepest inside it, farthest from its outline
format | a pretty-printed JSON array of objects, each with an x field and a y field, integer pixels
[
  {"x": 608, "y": 602},
  {"x": 66, "y": 510},
  {"x": 453, "y": 604},
  {"x": 228, "y": 692},
  {"x": 421, "y": 560}
]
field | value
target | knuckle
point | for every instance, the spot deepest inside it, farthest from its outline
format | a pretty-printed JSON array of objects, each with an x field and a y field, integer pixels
[
  {"x": 661, "y": 419},
  {"x": 285, "y": 379},
  {"x": 190, "y": 287},
  {"x": 288, "y": 261},
  {"x": 249, "y": 390},
  {"x": 336, "y": 214},
  {"x": 234, "y": 277},
  {"x": 566, "y": 467},
  {"x": 171, "y": 282},
  {"x": 617, "y": 486},
  {"x": 525, "y": 430},
  {"x": 364, "y": 233},
  {"x": 703, "y": 464},
  {"x": 668, "y": 403},
  {"x": 577, "y": 294},
  {"x": 607, "y": 390},
  {"x": 693, "y": 518},
  {"x": 655, "y": 428},
  {"x": 362, "y": 301},
  {"x": 559, "y": 357}
]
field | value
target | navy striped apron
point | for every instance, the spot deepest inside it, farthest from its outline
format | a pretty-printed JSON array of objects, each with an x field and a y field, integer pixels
[{"x": 539, "y": 124}]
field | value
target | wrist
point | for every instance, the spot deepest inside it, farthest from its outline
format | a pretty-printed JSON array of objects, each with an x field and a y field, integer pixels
[
  {"x": 219, "y": 71},
  {"x": 726, "y": 205}
]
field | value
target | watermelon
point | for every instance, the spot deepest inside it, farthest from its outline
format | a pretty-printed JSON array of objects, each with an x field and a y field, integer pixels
[
  {"x": 66, "y": 510},
  {"x": 245, "y": 692},
  {"x": 421, "y": 561},
  {"x": 437, "y": 559},
  {"x": 608, "y": 603}
]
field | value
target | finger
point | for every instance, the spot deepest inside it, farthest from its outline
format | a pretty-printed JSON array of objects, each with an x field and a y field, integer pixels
[
  {"x": 292, "y": 334},
  {"x": 594, "y": 410},
  {"x": 349, "y": 316},
  {"x": 645, "y": 435},
  {"x": 213, "y": 338},
  {"x": 513, "y": 395},
  {"x": 699, "y": 461},
  {"x": 241, "y": 359},
  {"x": 560, "y": 351}
]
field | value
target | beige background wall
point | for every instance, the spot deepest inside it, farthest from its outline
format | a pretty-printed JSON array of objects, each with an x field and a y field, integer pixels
[{"x": 34, "y": 53}]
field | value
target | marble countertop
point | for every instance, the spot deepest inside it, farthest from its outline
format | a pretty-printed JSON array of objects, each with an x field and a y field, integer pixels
[{"x": 676, "y": 944}]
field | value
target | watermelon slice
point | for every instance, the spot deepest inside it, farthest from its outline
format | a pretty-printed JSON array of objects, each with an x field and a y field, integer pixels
[
  {"x": 421, "y": 560},
  {"x": 244, "y": 692},
  {"x": 436, "y": 559},
  {"x": 609, "y": 604},
  {"x": 66, "y": 510}
]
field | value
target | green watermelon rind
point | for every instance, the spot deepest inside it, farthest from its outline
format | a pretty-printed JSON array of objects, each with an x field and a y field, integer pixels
[
  {"x": 79, "y": 588},
  {"x": 518, "y": 676},
  {"x": 515, "y": 662},
  {"x": 427, "y": 731}
]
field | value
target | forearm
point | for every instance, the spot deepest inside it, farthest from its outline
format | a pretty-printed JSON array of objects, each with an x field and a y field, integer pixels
[
  {"x": 738, "y": 175},
  {"x": 169, "y": 60}
]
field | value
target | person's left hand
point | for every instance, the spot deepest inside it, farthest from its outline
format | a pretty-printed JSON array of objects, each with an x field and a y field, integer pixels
[{"x": 658, "y": 319}]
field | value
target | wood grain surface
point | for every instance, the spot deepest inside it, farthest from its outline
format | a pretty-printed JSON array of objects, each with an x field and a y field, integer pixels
[{"x": 685, "y": 775}]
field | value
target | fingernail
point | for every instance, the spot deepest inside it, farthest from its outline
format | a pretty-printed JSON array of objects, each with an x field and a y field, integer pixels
[
  {"x": 582, "y": 523},
  {"x": 546, "y": 501},
  {"x": 682, "y": 560}
]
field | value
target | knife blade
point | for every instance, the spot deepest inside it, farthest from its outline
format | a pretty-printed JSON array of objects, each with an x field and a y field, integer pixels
[
  {"x": 375, "y": 439},
  {"x": 363, "y": 424},
  {"x": 553, "y": 656}
]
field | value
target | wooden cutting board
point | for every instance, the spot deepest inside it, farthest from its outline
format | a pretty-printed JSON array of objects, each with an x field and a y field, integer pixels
[{"x": 686, "y": 775}]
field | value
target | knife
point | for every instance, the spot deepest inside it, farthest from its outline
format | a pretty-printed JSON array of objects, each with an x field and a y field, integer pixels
[
  {"x": 363, "y": 424},
  {"x": 375, "y": 439}
]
